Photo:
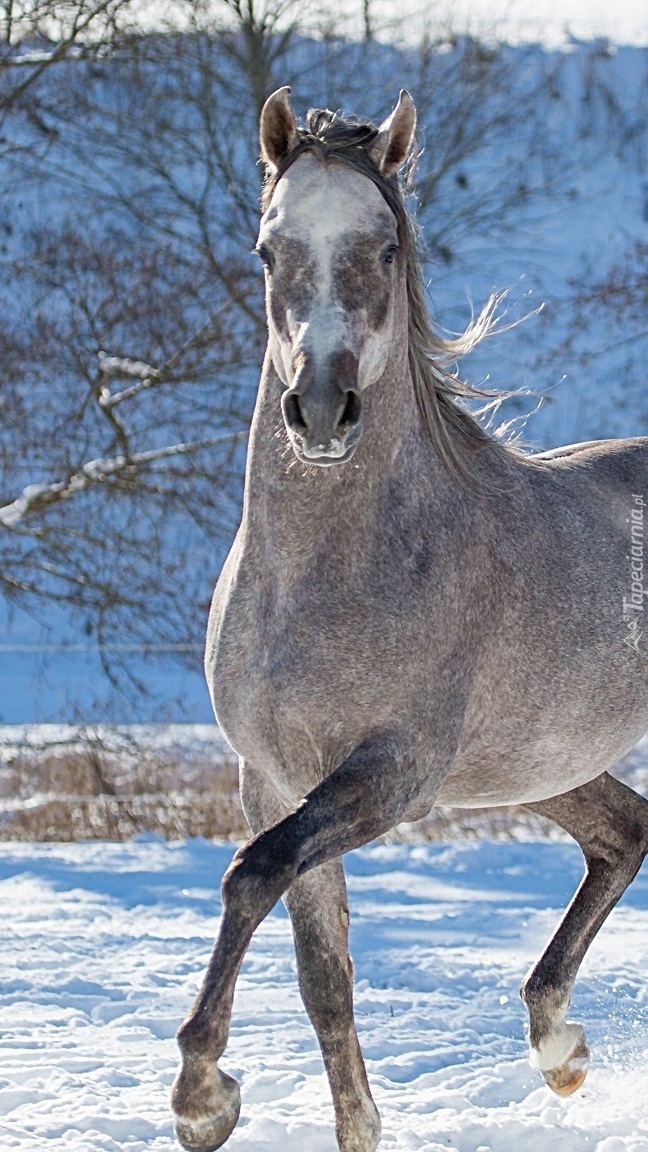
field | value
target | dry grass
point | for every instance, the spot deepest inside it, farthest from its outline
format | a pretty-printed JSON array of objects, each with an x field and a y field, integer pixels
[
  {"x": 96, "y": 788},
  {"x": 115, "y": 784}
]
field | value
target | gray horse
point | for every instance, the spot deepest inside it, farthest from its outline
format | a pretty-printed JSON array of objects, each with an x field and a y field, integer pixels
[{"x": 412, "y": 613}]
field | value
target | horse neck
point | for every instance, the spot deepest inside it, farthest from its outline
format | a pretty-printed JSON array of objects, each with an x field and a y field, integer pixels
[{"x": 295, "y": 509}]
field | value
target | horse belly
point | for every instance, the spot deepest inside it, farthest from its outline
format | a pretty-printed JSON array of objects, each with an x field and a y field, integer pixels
[{"x": 514, "y": 764}]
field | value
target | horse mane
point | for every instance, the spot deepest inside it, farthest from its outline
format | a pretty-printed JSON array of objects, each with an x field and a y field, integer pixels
[{"x": 454, "y": 430}]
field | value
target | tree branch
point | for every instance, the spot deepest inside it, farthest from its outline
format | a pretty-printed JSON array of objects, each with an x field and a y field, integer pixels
[{"x": 36, "y": 497}]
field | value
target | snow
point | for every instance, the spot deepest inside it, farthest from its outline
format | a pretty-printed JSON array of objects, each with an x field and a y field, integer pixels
[
  {"x": 123, "y": 367},
  {"x": 519, "y": 21},
  {"x": 514, "y": 21},
  {"x": 183, "y": 739},
  {"x": 104, "y": 946}
]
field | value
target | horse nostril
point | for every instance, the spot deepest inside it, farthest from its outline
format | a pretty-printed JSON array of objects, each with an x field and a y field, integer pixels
[
  {"x": 293, "y": 414},
  {"x": 351, "y": 414}
]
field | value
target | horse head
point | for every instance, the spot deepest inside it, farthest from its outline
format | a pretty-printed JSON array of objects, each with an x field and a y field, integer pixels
[{"x": 334, "y": 265}]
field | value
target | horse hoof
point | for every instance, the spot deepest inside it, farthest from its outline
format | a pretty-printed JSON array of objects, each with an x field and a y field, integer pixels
[
  {"x": 567, "y": 1078},
  {"x": 205, "y": 1133}
]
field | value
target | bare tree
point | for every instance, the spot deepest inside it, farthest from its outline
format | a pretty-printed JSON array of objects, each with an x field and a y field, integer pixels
[
  {"x": 37, "y": 34},
  {"x": 621, "y": 297},
  {"x": 605, "y": 343},
  {"x": 131, "y": 330},
  {"x": 131, "y": 321}
]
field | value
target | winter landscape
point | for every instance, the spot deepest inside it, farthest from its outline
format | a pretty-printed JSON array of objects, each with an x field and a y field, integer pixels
[
  {"x": 127, "y": 279},
  {"x": 104, "y": 946},
  {"x": 131, "y": 333}
]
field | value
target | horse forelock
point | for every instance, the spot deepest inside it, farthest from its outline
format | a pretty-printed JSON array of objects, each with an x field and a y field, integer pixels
[
  {"x": 330, "y": 136},
  {"x": 440, "y": 393}
]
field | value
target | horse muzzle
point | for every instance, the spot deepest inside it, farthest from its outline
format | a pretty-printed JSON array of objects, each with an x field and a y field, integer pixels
[{"x": 323, "y": 422}]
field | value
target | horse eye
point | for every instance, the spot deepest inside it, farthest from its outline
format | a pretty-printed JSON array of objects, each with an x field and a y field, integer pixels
[
  {"x": 265, "y": 256},
  {"x": 389, "y": 255}
]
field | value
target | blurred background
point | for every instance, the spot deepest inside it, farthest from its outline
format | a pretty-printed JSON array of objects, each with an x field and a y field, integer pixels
[{"x": 131, "y": 315}]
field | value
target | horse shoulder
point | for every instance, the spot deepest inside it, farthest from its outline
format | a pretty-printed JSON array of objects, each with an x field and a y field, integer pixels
[{"x": 228, "y": 649}]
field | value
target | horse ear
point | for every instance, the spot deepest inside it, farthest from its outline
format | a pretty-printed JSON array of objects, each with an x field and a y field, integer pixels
[
  {"x": 395, "y": 135},
  {"x": 278, "y": 128}
]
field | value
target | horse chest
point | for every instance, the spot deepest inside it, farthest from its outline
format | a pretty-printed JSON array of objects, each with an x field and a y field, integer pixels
[
  {"x": 329, "y": 660},
  {"x": 325, "y": 648}
]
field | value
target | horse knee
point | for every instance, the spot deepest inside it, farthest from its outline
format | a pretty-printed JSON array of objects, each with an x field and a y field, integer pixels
[
  {"x": 260, "y": 873},
  {"x": 617, "y": 839},
  {"x": 614, "y": 864}
]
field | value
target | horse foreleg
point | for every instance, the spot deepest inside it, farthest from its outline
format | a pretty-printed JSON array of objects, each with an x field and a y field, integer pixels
[
  {"x": 206, "y": 1101},
  {"x": 319, "y": 911},
  {"x": 370, "y": 792},
  {"x": 318, "y": 908},
  {"x": 610, "y": 823}
]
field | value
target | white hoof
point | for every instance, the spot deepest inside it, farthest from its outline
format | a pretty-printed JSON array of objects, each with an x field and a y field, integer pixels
[{"x": 563, "y": 1059}]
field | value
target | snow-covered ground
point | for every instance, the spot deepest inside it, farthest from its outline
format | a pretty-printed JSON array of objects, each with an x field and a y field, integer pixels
[{"x": 104, "y": 945}]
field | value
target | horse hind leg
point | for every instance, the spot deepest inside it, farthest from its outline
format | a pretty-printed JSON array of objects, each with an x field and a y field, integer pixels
[
  {"x": 318, "y": 909},
  {"x": 610, "y": 823}
]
